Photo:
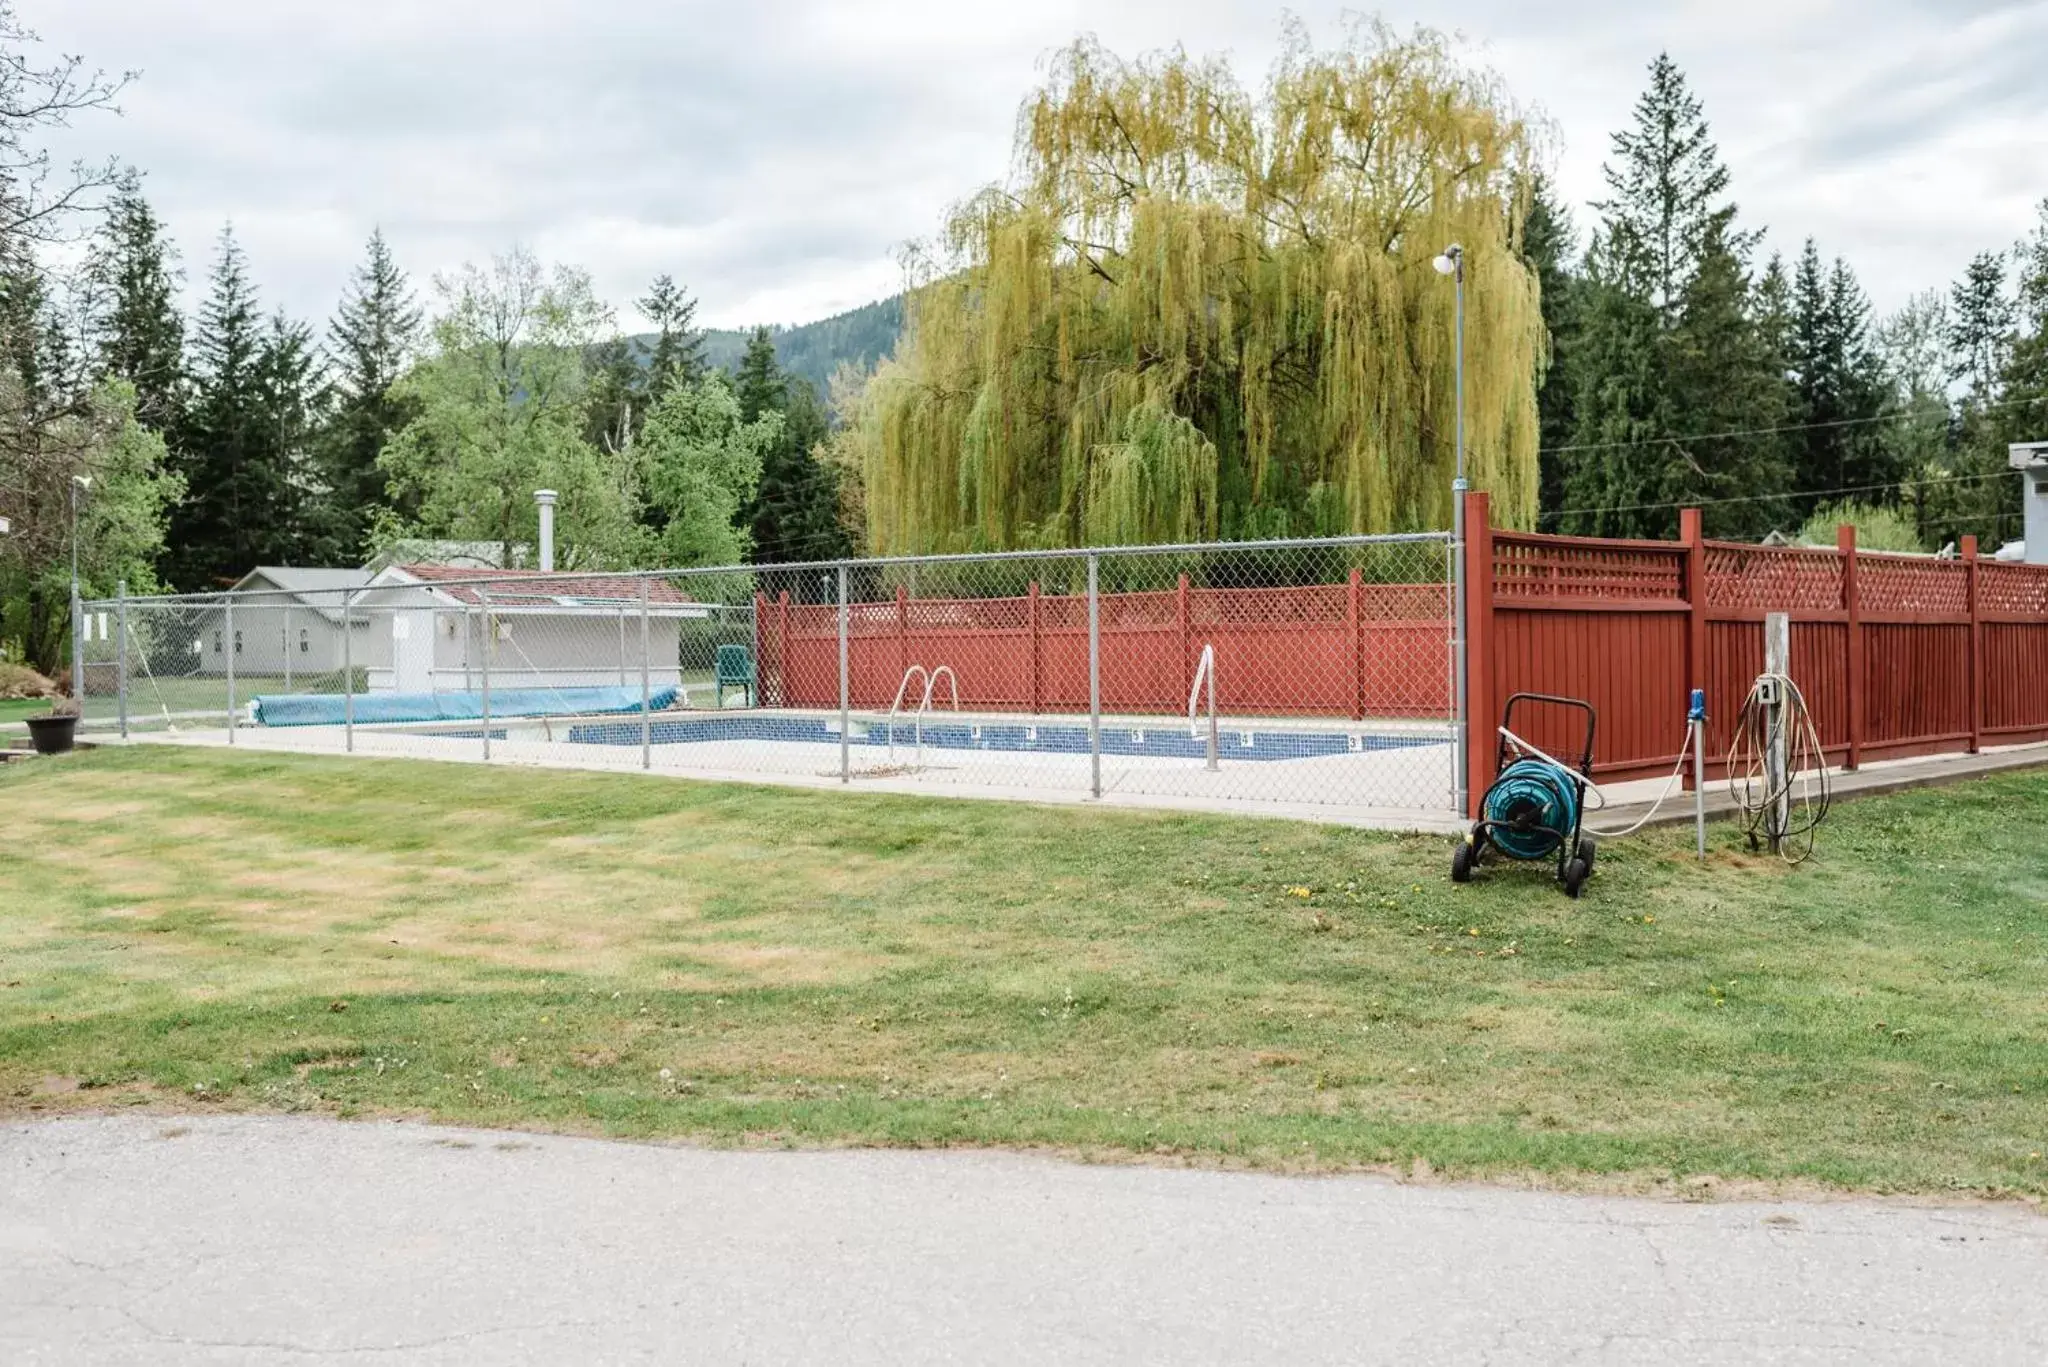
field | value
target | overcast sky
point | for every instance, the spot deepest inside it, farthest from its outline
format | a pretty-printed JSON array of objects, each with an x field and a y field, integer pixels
[{"x": 773, "y": 154}]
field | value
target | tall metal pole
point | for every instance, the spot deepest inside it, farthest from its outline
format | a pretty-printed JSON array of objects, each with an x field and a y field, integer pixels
[
  {"x": 284, "y": 643},
  {"x": 348, "y": 670},
  {"x": 228, "y": 612},
  {"x": 489, "y": 643},
  {"x": 845, "y": 689},
  {"x": 1458, "y": 487},
  {"x": 121, "y": 655},
  {"x": 77, "y": 610},
  {"x": 646, "y": 685},
  {"x": 1094, "y": 679}
]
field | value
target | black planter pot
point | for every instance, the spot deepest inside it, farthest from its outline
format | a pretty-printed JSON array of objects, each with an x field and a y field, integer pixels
[{"x": 52, "y": 735}]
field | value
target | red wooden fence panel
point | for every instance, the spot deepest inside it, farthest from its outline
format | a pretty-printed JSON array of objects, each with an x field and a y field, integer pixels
[{"x": 1605, "y": 621}]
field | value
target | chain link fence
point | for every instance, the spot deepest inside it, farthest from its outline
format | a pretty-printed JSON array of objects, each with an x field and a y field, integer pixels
[{"x": 1301, "y": 673}]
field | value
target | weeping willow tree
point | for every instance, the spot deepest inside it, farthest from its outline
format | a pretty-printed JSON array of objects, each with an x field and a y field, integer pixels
[{"x": 1192, "y": 313}]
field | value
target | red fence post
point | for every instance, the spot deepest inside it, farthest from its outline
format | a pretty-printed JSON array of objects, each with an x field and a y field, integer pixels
[
  {"x": 1187, "y": 630},
  {"x": 1852, "y": 603},
  {"x": 1354, "y": 632},
  {"x": 1037, "y": 662},
  {"x": 1976, "y": 646},
  {"x": 902, "y": 631},
  {"x": 1692, "y": 531},
  {"x": 1478, "y": 647}
]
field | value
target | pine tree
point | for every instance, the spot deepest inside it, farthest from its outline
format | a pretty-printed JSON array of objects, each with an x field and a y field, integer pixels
[
  {"x": 794, "y": 513},
  {"x": 240, "y": 507},
  {"x": 1670, "y": 350},
  {"x": 1982, "y": 317},
  {"x": 678, "y": 356},
  {"x": 758, "y": 382},
  {"x": 133, "y": 277},
  {"x": 1840, "y": 392},
  {"x": 2022, "y": 415},
  {"x": 369, "y": 343},
  {"x": 1547, "y": 247},
  {"x": 616, "y": 400}
]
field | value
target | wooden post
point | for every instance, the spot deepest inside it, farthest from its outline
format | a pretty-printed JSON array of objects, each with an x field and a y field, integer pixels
[
  {"x": 1186, "y": 627},
  {"x": 1354, "y": 635},
  {"x": 1037, "y": 653},
  {"x": 1976, "y": 667},
  {"x": 1778, "y": 740},
  {"x": 1691, "y": 531},
  {"x": 1852, "y": 603},
  {"x": 902, "y": 630},
  {"x": 1480, "y": 718}
]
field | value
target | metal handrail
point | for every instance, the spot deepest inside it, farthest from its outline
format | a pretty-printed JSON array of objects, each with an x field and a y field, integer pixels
[
  {"x": 1205, "y": 672},
  {"x": 897, "y": 706}
]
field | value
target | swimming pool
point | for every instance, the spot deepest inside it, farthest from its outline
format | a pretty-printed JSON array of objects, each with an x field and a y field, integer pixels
[{"x": 1169, "y": 741}]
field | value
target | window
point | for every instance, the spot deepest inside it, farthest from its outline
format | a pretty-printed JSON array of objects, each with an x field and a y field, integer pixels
[
  {"x": 238, "y": 643},
  {"x": 216, "y": 643},
  {"x": 305, "y": 641}
]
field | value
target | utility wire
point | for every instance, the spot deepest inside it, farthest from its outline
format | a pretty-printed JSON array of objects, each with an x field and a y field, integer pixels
[{"x": 1682, "y": 439}]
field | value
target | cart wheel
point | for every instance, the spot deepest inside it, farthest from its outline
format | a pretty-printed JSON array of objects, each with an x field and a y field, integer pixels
[
  {"x": 1575, "y": 872},
  {"x": 1586, "y": 851},
  {"x": 1462, "y": 859}
]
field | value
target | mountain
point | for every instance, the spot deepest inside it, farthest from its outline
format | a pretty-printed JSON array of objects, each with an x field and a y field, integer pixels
[{"x": 814, "y": 350}]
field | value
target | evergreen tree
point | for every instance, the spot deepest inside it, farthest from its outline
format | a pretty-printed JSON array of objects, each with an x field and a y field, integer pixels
[
  {"x": 240, "y": 508},
  {"x": 615, "y": 401},
  {"x": 758, "y": 383},
  {"x": 1670, "y": 350},
  {"x": 794, "y": 511},
  {"x": 2022, "y": 415},
  {"x": 1981, "y": 322},
  {"x": 1547, "y": 247},
  {"x": 678, "y": 356},
  {"x": 138, "y": 332},
  {"x": 1839, "y": 392},
  {"x": 369, "y": 343}
]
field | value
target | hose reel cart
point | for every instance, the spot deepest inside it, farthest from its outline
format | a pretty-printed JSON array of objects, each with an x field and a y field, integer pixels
[{"x": 1535, "y": 807}]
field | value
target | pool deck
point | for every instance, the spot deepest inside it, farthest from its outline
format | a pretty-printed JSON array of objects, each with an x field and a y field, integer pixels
[{"x": 1402, "y": 788}]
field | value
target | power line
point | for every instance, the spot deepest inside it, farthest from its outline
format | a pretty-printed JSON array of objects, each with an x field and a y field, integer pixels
[
  {"x": 1787, "y": 496},
  {"x": 1774, "y": 431}
]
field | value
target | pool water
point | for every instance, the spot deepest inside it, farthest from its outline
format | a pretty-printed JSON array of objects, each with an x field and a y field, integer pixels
[{"x": 1168, "y": 741}]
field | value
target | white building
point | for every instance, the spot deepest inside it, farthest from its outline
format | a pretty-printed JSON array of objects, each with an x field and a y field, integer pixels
[
  {"x": 432, "y": 628},
  {"x": 286, "y": 626}
]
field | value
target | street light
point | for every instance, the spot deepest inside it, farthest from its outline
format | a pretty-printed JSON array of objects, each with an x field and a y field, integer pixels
[
  {"x": 1452, "y": 263},
  {"x": 79, "y": 484}
]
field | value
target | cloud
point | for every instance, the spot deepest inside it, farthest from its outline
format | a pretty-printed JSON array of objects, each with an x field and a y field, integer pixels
[{"x": 775, "y": 156}]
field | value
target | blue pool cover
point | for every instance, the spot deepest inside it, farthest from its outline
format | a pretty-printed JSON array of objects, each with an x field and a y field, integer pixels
[
  {"x": 331, "y": 709},
  {"x": 1168, "y": 741}
]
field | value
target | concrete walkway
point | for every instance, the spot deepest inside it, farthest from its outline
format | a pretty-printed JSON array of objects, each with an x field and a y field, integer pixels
[{"x": 140, "y": 1239}]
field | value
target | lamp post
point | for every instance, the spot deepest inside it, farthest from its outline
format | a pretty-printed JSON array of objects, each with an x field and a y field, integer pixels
[
  {"x": 79, "y": 484},
  {"x": 1452, "y": 263}
]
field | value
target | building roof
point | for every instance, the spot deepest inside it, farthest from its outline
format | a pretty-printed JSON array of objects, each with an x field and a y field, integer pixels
[
  {"x": 540, "y": 588},
  {"x": 318, "y": 589}
]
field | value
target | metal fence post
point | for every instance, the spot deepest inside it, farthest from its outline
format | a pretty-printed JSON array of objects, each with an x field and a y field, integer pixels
[
  {"x": 284, "y": 643},
  {"x": 1094, "y": 679},
  {"x": 121, "y": 655},
  {"x": 228, "y": 613},
  {"x": 845, "y": 691},
  {"x": 77, "y": 649},
  {"x": 489, "y": 640},
  {"x": 348, "y": 670},
  {"x": 1461, "y": 691},
  {"x": 646, "y": 691}
]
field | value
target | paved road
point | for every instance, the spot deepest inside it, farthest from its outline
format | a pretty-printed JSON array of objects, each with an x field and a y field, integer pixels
[{"x": 276, "y": 1240}]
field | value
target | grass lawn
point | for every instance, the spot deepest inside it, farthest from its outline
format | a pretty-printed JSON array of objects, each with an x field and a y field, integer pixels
[
  {"x": 632, "y": 956},
  {"x": 21, "y": 709}
]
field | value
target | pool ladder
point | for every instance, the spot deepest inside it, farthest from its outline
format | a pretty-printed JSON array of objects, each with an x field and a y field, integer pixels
[
  {"x": 1205, "y": 673},
  {"x": 931, "y": 682}
]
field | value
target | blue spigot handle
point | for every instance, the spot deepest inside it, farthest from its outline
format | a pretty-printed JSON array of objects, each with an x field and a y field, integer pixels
[{"x": 1699, "y": 706}]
